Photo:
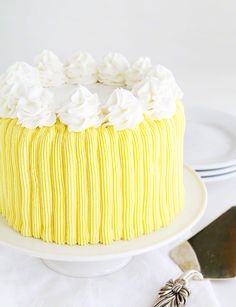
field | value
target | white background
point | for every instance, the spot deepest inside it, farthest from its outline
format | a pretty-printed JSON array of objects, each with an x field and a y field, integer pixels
[{"x": 195, "y": 39}]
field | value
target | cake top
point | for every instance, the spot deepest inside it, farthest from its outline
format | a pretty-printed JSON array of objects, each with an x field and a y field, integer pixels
[{"x": 82, "y": 93}]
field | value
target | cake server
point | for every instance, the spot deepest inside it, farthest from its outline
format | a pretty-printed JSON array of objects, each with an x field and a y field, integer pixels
[{"x": 209, "y": 254}]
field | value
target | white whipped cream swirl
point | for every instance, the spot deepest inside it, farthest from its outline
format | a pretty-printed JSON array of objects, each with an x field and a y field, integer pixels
[
  {"x": 20, "y": 72},
  {"x": 81, "y": 68},
  {"x": 138, "y": 71},
  {"x": 158, "y": 100},
  {"x": 36, "y": 108},
  {"x": 16, "y": 82},
  {"x": 82, "y": 112},
  {"x": 50, "y": 68},
  {"x": 9, "y": 97},
  {"x": 163, "y": 74},
  {"x": 113, "y": 69},
  {"x": 122, "y": 110}
]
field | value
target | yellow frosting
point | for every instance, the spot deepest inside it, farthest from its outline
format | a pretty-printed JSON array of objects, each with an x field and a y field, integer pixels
[{"x": 94, "y": 186}]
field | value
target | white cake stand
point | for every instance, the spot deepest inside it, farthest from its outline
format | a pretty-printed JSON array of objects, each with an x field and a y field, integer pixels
[{"x": 95, "y": 260}]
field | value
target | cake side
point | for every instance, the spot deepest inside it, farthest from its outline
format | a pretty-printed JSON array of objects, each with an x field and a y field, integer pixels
[{"x": 97, "y": 185}]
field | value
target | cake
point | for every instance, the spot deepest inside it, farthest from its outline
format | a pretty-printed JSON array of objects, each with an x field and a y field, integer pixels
[{"x": 90, "y": 152}]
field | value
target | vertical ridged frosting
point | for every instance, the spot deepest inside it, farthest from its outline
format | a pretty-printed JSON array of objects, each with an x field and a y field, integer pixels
[{"x": 94, "y": 186}]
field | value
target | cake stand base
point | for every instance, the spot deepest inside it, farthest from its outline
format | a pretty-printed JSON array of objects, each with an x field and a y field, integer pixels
[{"x": 86, "y": 269}]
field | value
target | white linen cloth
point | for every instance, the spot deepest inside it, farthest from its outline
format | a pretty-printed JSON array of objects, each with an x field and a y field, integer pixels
[{"x": 26, "y": 282}]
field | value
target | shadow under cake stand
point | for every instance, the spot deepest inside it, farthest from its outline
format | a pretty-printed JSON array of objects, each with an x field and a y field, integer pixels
[{"x": 98, "y": 259}]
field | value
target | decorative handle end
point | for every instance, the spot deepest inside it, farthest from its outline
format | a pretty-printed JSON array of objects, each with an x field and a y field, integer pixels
[{"x": 175, "y": 293}]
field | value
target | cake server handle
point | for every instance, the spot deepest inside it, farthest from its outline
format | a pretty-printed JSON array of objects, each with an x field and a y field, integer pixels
[{"x": 175, "y": 293}]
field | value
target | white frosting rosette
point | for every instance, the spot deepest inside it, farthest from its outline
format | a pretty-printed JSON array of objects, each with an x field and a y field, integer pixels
[
  {"x": 36, "y": 109},
  {"x": 163, "y": 74},
  {"x": 81, "y": 68},
  {"x": 50, "y": 68},
  {"x": 138, "y": 71},
  {"x": 113, "y": 69},
  {"x": 9, "y": 97},
  {"x": 122, "y": 110},
  {"x": 17, "y": 80},
  {"x": 159, "y": 101},
  {"x": 82, "y": 112},
  {"x": 20, "y": 72}
]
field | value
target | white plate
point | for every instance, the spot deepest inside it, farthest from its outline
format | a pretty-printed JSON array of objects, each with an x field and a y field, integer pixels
[
  {"x": 219, "y": 177},
  {"x": 217, "y": 172},
  {"x": 210, "y": 140},
  {"x": 196, "y": 198}
]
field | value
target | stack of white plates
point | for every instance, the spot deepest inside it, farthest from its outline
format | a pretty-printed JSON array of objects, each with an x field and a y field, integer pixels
[{"x": 210, "y": 143}]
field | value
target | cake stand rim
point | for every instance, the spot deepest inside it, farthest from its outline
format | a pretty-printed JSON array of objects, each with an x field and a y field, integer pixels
[{"x": 183, "y": 222}]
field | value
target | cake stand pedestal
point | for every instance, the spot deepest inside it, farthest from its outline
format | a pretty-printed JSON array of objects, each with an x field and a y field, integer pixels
[
  {"x": 98, "y": 259},
  {"x": 87, "y": 269}
]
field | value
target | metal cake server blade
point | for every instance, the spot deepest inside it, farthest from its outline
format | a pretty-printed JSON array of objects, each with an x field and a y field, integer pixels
[{"x": 211, "y": 254}]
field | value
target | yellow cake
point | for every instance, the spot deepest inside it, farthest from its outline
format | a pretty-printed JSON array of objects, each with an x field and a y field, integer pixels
[{"x": 69, "y": 180}]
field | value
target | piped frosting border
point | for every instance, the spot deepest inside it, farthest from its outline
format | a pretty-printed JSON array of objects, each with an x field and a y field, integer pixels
[{"x": 141, "y": 89}]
